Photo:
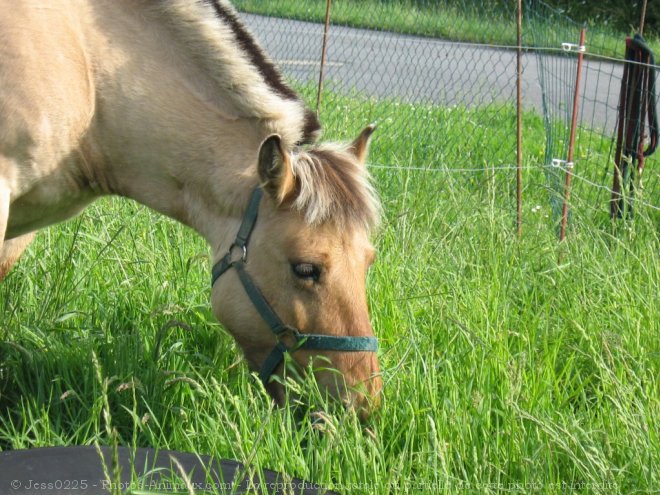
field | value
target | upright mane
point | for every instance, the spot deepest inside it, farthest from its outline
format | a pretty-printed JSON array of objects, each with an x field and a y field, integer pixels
[
  {"x": 334, "y": 186},
  {"x": 221, "y": 44}
]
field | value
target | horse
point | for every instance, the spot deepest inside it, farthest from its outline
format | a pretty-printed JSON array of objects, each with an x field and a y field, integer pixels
[{"x": 174, "y": 104}]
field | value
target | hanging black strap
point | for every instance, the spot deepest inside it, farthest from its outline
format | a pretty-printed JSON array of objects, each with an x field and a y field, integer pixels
[
  {"x": 650, "y": 106},
  {"x": 637, "y": 110}
]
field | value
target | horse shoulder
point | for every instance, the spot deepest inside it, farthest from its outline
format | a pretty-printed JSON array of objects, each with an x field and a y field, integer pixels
[{"x": 47, "y": 101}]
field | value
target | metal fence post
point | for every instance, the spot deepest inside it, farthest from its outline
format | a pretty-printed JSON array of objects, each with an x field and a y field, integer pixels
[
  {"x": 571, "y": 142},
  {"x": 324, "y": 48},
  {"x": 519, "y": 123}
]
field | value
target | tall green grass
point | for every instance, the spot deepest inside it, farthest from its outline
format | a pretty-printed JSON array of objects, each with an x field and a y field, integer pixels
[{"x": 505, "y": 369}]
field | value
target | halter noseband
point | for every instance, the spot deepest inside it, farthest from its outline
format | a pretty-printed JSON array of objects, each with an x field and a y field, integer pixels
[{"x": 236, "y": 258}]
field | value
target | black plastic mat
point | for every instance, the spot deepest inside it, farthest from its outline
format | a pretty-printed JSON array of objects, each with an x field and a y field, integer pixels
[{"x": 79, "y": 470}]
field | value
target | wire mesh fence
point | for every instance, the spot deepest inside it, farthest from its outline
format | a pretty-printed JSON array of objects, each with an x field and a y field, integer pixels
[
  {"x": 450, "y": 106},
  {"x": 597, "y": 111}
]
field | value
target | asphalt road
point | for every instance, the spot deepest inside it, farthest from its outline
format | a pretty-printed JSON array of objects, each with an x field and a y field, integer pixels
[{"x": 418, "y": 69}]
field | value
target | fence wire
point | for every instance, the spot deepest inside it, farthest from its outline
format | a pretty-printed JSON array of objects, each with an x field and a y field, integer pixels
[{"x": 449, "y": 106}]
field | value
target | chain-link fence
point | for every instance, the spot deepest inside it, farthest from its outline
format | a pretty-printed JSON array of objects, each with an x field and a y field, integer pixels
[
  {"x": 450, "y": 106},
  {"x": 598, "y": 112}
]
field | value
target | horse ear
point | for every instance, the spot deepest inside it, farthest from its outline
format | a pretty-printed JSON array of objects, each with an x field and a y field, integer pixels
[
  {"x": 275, "y": 172},
  {"x": 360, "y": 146}
]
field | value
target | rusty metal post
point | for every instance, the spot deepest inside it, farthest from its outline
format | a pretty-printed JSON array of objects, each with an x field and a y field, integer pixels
[
  {"x": 519, "y": 124},
  {"x": 328, "y": 9},
  {"x": 642, "y": 18},
  {"x": 571, "y": 141}
]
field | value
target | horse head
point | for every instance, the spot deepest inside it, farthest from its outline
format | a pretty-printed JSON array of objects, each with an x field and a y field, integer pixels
[{"x": 294, "y": 280}]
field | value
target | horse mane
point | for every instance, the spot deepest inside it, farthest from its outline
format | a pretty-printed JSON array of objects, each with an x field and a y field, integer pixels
[
  {"x": 221, "y": 44},
  {"x": 334, "y": 186}
]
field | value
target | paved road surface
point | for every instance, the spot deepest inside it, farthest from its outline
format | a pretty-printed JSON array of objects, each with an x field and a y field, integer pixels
[{"x": 418, "y": 69}]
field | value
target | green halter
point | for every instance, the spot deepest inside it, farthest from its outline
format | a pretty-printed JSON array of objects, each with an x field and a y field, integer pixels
[{"x": 236, "y": 258}]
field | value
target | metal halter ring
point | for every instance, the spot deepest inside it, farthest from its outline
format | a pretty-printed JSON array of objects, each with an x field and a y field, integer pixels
[
  {"x": 289, "y": 332},
  {"x": 243, "y": 253}
]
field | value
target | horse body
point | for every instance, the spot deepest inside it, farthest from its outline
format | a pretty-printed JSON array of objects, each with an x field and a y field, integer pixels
[{"x": 168, "y": 103}]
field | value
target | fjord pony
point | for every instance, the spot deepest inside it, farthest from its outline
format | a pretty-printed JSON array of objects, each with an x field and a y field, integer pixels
[{"x": 168, "y": 103}]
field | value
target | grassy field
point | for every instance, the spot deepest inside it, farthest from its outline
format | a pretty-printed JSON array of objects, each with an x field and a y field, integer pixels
[
  {"x": 473, "y": 21},
  {"x": 505, "y": 369}
]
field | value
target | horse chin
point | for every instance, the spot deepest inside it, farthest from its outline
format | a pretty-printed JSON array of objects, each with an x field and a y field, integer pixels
[
  {"x": 277, "y": 393},
  {"x": 363, "y": 401}
]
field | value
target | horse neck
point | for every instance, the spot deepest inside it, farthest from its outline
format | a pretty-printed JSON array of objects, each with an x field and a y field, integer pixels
[{"x": 168, "y": 137}]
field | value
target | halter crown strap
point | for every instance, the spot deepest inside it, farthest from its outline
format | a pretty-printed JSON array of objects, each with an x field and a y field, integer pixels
[
  {"x": 249, "y": 219},
  {"x": 278, "y": 327}
]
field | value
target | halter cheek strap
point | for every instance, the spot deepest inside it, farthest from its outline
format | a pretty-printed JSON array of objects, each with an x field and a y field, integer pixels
[{"x": 236, "y": 258}]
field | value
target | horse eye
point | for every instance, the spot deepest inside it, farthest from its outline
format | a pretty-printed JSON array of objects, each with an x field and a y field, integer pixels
[{"x": 306, "y": 271}]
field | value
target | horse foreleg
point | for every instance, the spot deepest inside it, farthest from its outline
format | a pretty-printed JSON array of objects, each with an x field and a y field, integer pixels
[
  {"x": 4, "y": 211},
  {"x": 11, "y": 250}
]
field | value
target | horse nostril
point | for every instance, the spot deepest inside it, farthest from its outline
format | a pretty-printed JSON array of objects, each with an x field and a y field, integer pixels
[{"x": 376, "y": 391}]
